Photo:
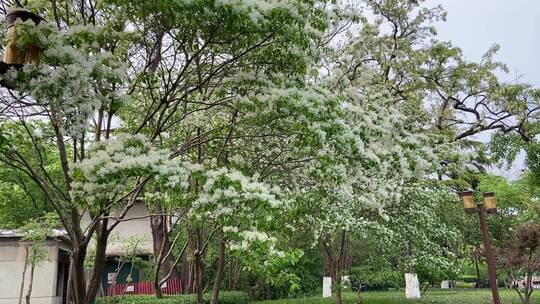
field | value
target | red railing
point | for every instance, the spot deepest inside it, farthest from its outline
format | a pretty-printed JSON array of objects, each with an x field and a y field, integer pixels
[{"x": 172, "y": 286}]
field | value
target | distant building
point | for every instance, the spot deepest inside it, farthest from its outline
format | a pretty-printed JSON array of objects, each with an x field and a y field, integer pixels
[
  {"x": 50, "y": 277},
  {"x": 133, "y": 234},
  {"x": 535, "y": 282}
]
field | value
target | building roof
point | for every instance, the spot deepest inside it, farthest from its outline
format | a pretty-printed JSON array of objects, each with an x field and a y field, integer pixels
[{"x": 15, "y": 234}]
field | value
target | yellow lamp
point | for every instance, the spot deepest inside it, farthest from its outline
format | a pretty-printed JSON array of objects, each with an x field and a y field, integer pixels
[
  {"x": 13, "y": 55},
  {"x": 468, "y": 202},
  {"x": 489, "y": 201}
]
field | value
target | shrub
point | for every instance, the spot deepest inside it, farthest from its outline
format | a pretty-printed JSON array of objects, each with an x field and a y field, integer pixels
[
  {"x": 462, "y": 284},
  {"x": 225, "y": 297},
  {"x": 467, "y": 278}
]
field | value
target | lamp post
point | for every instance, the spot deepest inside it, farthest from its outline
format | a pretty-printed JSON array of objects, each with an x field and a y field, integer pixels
[
  {"x": 14, "y": 56},
  {"x": 488, "y": 207}
]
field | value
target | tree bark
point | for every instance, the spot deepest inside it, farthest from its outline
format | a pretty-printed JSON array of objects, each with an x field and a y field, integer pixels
[
  {"x": 160, "y": 237},
  {"x": 198, "y": 277},
  {"x": 335, "y": 265},
  {"x": 185, "y": 270},
  {"x": 195, "y": 242},
  {"x": 99, "y": 262},
  {"x": 78, "y": 277},
  {"x": 21, "y": 291},
  {"x": 30, "y": 284},
  {"x": 220, "y": 270},
  {"x": 337, "y": 280},
  {"x": 478, "y": 278}
]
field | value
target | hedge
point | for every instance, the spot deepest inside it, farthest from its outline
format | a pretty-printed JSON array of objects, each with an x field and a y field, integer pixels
[
  {"x": 462, "y": 284},
  {"x": 225, "y": 297},
  {"x": 467, "y": 278}
]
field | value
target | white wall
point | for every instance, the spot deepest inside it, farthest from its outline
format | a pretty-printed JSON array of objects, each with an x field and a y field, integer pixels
[
  {"x": 12, "y": 260},
  {"x": 138, "y": 227}
]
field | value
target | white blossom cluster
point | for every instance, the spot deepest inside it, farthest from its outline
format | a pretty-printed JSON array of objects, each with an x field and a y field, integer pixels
[
  {"x": 73, "y": 76},
  {"x": 246, "y": 240},
  {"x": 258, "y": 9},
  {"x": 227, "y": 192},
  {"x": 108, "y": 172}
]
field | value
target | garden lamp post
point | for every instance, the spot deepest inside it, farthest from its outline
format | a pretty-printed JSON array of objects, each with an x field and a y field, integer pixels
[
  {"x": 487, "y": 207},
  {"x": 14, "y": 56}
]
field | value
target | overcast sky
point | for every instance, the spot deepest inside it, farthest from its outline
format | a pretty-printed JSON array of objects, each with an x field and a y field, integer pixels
[{"x": 475, "y": 25}]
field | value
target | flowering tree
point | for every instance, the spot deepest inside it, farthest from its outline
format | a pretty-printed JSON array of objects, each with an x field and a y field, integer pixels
[
  {"x": 188, "y": 63},
  {"x": 419, "y": 233},
  {"x": 231, "y": 116}
]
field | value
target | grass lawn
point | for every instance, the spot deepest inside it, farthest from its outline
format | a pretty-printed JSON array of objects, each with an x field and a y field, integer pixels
[{"x": 462, "y": 296}]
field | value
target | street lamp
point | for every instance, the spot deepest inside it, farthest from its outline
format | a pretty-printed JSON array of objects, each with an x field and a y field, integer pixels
[{"x": 489, "y": 206}]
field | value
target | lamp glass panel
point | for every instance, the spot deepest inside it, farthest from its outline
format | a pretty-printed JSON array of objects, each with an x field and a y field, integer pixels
[
  {"x": 490, "y": 202},
  {"x": 468, "y": 202}
]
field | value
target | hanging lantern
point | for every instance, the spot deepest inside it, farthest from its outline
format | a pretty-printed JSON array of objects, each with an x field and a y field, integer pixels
[
  {"x": 489, "y": 202},
  {"x": 13, "y": 55},
  {"x": 468, "y": 201}
]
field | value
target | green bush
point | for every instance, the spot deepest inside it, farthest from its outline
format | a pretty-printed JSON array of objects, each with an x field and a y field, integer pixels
[
  {"x": 468, "y": 278},
  {"x": 461, "y": 284},
  {"x": 225, "y": 297}
]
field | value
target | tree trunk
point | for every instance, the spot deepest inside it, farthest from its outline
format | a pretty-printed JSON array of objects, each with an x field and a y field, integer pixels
[
  {"x": 185, "y": 270},
  {"x": 412, "y": 285},
  {"x": 198, "y": 264},
  {"x": 198, "y": 278},
  {"x": 78, "y": 277},
  {"x": 220, "y": 270},
  {"x": 337, "y": 279},
  {"x": 529, "y": 288},
  {"x": 99, "y": 262},
  {"x": 21, "y": 291},
  {"x": 160, "y": 238},
  {"x": 478, "y": 278},
  {"x": 30, "y": 284},
  {"x": 157, "y": 286},
  {"x": 337, "y": 265}
]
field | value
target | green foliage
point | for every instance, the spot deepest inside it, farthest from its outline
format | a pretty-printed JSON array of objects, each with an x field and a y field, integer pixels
[
  {"x": 461, "y": 284},
  {"x": 36, "y": 231},
  {"x": 467, "y": 278},
  {"x": 533, "y": 161},
  {"x": 505, "y": 147},
  {"x": 225, "y": 297},
  {"x": 459, "y": 296},
  {"x": 380, "y": 279},
  {"x": 513, "y": 204},
  {"x": 16, "y": 206}
]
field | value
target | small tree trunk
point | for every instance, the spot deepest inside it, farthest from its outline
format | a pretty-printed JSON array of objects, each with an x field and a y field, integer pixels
[
  {"x": 198, "y": 277},
  {"x": 412, "y": 285},
  {"x": 99, "y": 263},
  {"x": 529, "y": 288},
  {"x": 185, "y": 269},
  {"x": 21, "y": 291},
  {"x": 160, "y": 238},
  {"x": 77, "y": 272},
  {"x": 30, "y": 284},
  {"x": 220, "y": 270},
  {"x": 337, "y": 279},
  {"x": 158, "y": 293},
  {"x": 157, "y": 286},
  {"x": 478, "y": 278}
]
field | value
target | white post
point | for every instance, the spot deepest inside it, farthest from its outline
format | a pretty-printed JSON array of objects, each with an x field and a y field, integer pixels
[
  {"x": 327, "y": 287},
  {"x": 412, "y": 287},
  {"x": 445, "y": 284}
]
